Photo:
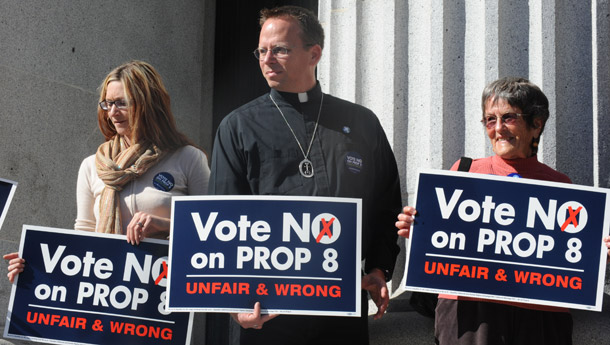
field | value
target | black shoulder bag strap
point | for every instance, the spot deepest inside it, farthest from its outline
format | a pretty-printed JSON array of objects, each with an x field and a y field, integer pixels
[{"x": 465, "y": 163}]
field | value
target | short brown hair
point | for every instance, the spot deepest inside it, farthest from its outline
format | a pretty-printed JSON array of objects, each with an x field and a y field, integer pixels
[{"x": 312, "y": 31}]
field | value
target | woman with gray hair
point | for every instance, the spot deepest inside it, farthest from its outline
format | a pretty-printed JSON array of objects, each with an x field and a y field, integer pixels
[{"x": 514, "y": 114}]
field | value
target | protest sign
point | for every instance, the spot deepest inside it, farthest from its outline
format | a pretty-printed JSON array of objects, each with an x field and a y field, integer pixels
[
  {"x": 7, "y": 190},
  {"x": 295, "y": 255},
  {"x": 88, "y": 288},
  {"x": 508, "y": 239}
]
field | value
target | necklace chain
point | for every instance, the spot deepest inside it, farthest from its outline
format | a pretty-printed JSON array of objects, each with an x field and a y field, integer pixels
[{"x": 305, "y": 155}]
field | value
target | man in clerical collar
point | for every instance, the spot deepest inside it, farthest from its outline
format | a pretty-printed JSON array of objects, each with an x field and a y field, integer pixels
[{"x": 296, "y": 140}]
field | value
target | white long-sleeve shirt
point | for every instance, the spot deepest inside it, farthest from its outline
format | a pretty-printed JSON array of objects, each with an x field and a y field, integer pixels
[{"x": 182, "y": 172}]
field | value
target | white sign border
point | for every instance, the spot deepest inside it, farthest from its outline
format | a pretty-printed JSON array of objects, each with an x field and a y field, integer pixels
[
  {"x": 4, "y": 211},
  {"x": 358, "y": 268}
]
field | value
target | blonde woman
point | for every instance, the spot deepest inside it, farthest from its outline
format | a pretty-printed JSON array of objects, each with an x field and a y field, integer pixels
[{"x": 127, "y": 185}]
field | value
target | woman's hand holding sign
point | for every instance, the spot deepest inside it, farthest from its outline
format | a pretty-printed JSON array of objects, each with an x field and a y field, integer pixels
[
  {"x": 144, "y": 225},
  {"x": 405, "y": 220},
  {"x": 15, "y": 265}
]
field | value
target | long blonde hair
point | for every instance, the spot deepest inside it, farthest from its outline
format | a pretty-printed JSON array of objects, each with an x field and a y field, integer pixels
[{"x": 150, "y": 114}]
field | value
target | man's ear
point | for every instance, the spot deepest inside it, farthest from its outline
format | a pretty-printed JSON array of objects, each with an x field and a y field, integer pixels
[{"x": 316, "y": 54}]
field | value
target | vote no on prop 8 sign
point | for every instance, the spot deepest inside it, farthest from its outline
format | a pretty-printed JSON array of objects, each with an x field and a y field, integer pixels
[
  {"x": 81, "y": 287},
  {"x": 510, "y": 239},
  {"x": 294, "y": 255}
]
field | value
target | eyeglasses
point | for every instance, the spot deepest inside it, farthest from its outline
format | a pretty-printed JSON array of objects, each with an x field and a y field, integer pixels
[
  {"x": 119, "y": 103},
  {"x": 277, "y": 52},
  {"x": 508, "y": 119}
]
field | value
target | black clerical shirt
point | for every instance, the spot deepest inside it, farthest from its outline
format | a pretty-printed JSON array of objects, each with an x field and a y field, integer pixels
[{"x": 255, "y": 152}]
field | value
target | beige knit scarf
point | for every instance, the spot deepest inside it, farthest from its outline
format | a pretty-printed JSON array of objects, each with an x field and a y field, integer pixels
[{"x": 117, "y": 165}]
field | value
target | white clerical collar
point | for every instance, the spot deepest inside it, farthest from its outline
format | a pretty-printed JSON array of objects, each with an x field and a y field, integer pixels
[{"x": 303, "y": 97}]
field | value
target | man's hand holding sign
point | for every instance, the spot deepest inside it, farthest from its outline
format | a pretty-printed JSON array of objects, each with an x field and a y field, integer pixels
[
  {"x": 375, "y": 284},
  {"x": 253, "y": 320}
]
